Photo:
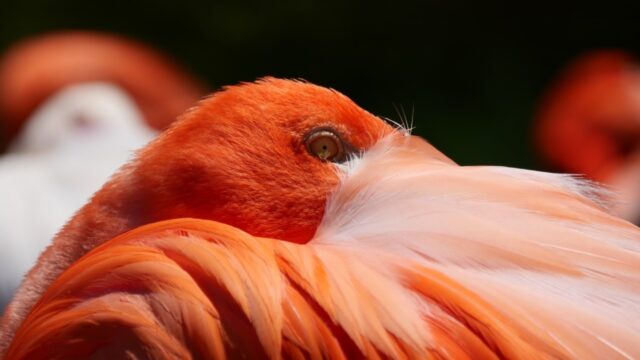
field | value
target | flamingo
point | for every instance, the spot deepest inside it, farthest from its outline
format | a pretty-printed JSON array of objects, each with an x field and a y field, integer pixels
[
  {"x": 76, "y": 104},
  {"x": 278, "y": 219},
  {"x": 38, "y": 67},
  {"x": 589, "y": 123}
]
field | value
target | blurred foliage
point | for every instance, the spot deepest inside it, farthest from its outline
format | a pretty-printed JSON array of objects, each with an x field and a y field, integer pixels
[{"x": 472, "y": 70}]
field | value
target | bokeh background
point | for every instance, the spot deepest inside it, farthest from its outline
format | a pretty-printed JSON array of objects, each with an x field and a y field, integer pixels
[{"x": 473, "y": 72}]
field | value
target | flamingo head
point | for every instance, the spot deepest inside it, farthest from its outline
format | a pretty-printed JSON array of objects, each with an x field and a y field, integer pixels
[{"x": 262, "y": 157}]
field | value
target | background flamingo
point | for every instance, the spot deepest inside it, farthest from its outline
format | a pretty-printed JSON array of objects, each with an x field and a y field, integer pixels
[
  {"x": 75, "y": 105},
  {"x": 589, "y": 123},
  {"x": 397, "y": 253}
]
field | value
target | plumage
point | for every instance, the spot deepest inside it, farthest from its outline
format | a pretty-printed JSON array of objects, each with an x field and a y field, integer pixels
[{"x": 413, "y": 256}]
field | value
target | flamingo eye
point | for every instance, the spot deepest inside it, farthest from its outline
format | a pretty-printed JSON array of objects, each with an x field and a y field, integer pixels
[{"x": 325, "y": 145}]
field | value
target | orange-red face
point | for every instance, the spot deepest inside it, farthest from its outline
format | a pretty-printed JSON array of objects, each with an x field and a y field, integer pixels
[{"x": 261, "y": 157}]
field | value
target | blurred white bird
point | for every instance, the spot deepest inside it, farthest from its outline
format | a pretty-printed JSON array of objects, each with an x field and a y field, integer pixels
[
  {"x": 67, "y": 150},
  {"x": 73, "y": 106}
]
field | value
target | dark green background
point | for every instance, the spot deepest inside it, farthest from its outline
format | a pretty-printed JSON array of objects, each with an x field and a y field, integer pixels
[{"x": 473, "y": 70}]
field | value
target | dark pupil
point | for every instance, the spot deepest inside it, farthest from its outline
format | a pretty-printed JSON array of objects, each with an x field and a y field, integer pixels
[
  {"x": 324, "y": 146},
  {"x": 324, "y": 149}
]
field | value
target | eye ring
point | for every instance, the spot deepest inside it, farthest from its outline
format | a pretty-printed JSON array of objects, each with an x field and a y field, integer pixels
[{"x": 326, "y": 145}]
